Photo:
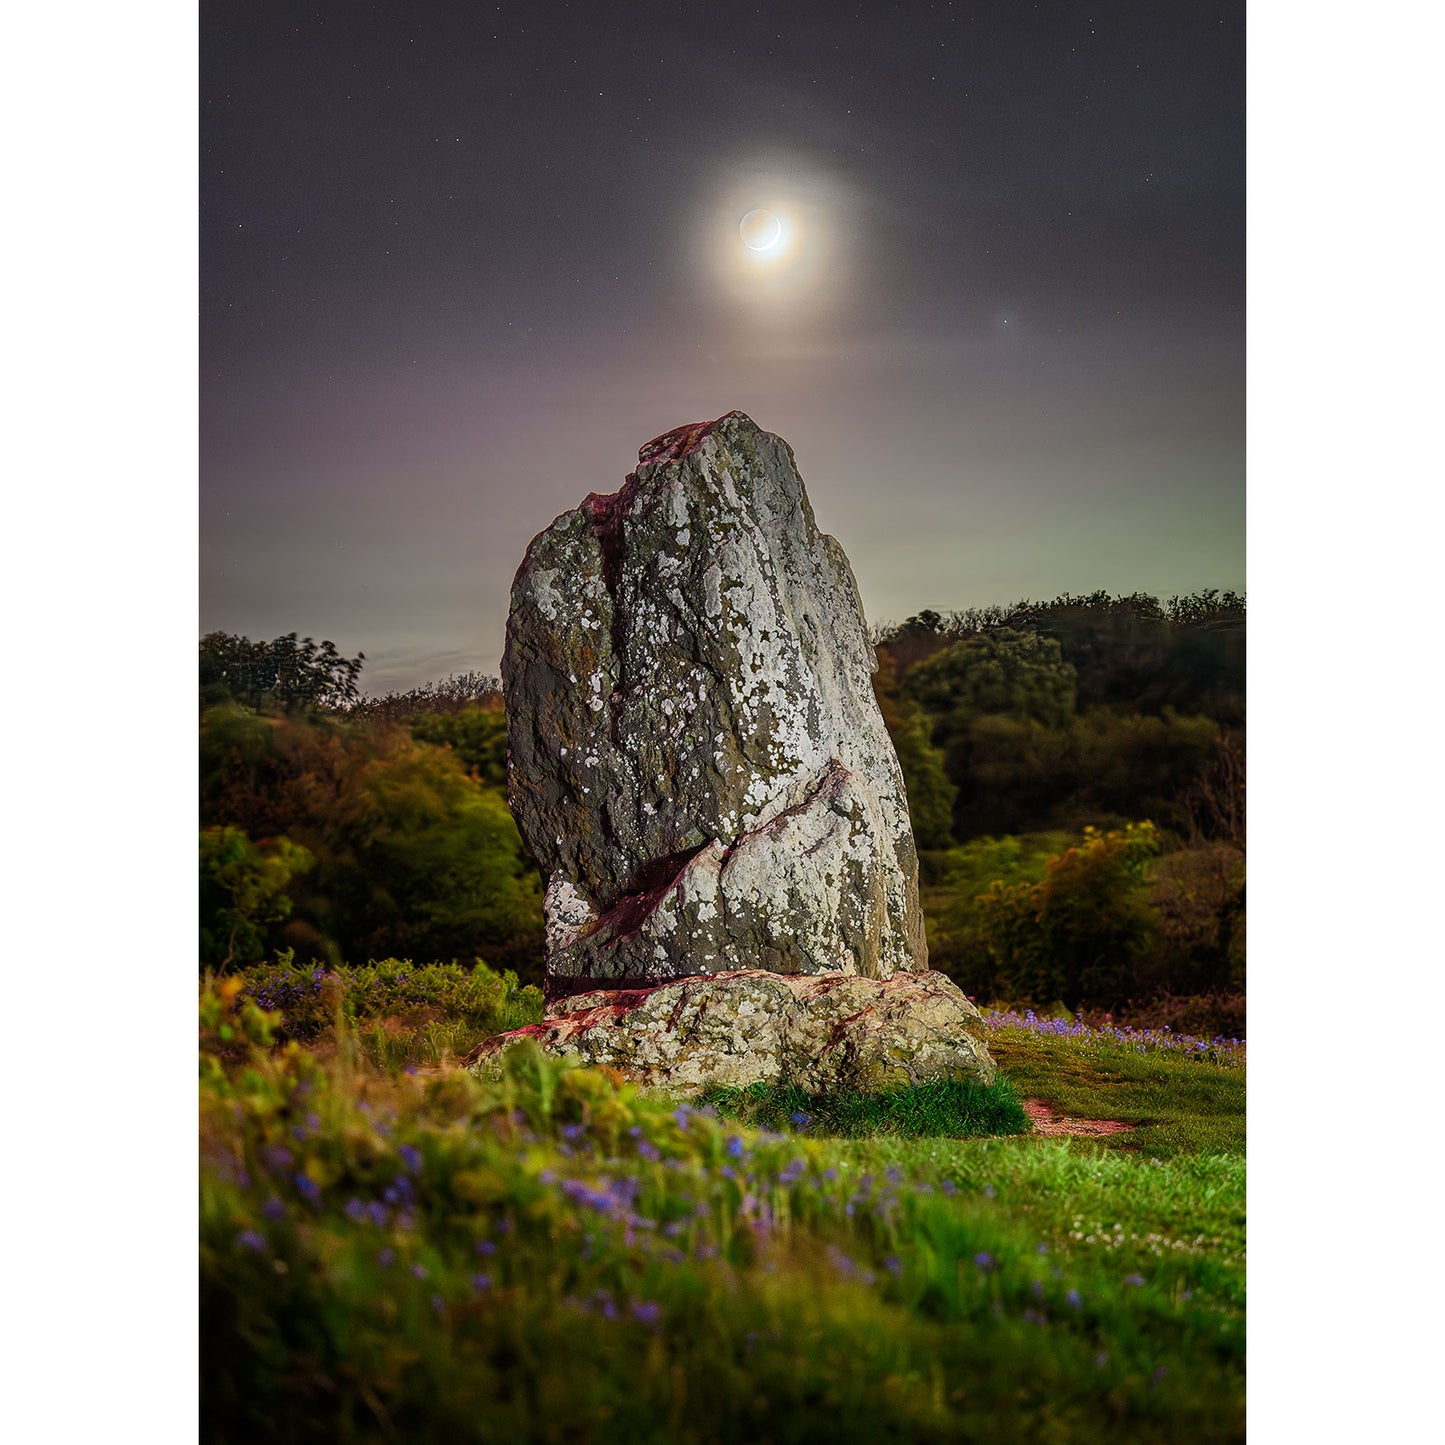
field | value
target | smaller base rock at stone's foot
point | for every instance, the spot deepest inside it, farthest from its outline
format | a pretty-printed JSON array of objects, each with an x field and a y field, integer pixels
[{"x": 822, "y": 1032}]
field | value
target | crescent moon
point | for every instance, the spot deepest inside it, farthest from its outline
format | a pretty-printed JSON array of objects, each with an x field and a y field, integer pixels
[{"x": 760, "y": 230}]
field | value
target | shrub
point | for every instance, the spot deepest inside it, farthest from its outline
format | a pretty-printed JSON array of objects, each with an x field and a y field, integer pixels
[
  {"x": 476, "y": 734},
  {"x": 1197, "y": 894},
  {"x": 306, "y": 999},
  {"x": 243, "y": 888},
  {"x": 1082, "y": 933},
  {"x": 413, "y": 857}
]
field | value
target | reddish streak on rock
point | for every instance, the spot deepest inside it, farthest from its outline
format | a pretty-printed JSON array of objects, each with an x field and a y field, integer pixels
[
  {"x": 632, "y": 910},
  {"x": 673, "y": 445}
]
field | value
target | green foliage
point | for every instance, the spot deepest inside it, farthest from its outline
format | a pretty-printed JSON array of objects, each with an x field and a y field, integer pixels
[
  {"x": 1142, "y": 765},
  {"x": 394, "y": 1003},
  {"x": 930, "y": 794},
  {"x": 1016, "y": 674},
  {"x": 243, "y": 888},
  {"x": 997, "y": 925},
  {"x": 458, "y": 692},
  {"x": 551, "y": 1256},
  {"x": 1197, "y": 896},
  {"x": 476, "y": 734},
  {"x": 1080, "y": 934},
  {"x": 1084, "y": 710},
  {"x": 414, "y": 858},
  {"x": 1138, "y": 653},
  {"x": 959, "y": 1109},
  {"x": 950, "y": 899},
  {"x": 429, "y": 864},
  {"x": 286, "y": 673},
  {"x": 233, "y": 1027},
  {"x": 1016, "y": 775}
]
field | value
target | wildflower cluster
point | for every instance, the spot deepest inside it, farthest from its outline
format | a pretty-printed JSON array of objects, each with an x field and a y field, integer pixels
[
  {"x": 1216, "y": 1050},
  {"x": 355, "y": 1224},
  {"x": 307, "y": 997}
]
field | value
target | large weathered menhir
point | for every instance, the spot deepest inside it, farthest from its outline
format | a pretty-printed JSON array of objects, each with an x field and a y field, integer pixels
[{"x": 697, "y": 760}]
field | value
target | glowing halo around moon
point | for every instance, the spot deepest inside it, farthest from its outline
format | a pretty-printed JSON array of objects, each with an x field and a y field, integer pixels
[
  {"x": 761, "y": 230},
  {"x": 778, "y": 241}
]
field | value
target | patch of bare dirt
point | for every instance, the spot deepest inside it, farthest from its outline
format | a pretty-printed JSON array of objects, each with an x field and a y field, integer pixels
[{"x": 1045, "y": 1121}]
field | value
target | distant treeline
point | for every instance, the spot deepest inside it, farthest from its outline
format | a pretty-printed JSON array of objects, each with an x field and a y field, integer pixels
[
  {"x": 1084, "y": 710},
  {"x": 353, "y": 828}
]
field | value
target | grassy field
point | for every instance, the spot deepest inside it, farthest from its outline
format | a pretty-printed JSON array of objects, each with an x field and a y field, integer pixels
[{"x": 406, "y": 1252}]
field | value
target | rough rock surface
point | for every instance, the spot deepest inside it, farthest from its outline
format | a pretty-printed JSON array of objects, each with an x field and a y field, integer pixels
[
  {"x": 697, "y": 761},
  {"x": 823, "y": 1032}
]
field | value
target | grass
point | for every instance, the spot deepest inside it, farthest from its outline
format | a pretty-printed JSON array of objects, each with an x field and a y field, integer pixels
[
  {"x": 554, "y": 1256},
  {"x": 955, "y": 1109},
  {"x": 1181, "y": 1104}
]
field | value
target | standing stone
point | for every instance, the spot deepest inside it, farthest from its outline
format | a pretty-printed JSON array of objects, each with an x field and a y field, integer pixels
[{"x": 697, "y": 760}]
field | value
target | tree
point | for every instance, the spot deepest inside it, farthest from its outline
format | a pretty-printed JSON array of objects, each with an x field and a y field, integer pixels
[
  {"x": 414, "y": 857},
  {"x": 1017, "y": 674},
  {"x": 477, "y": 734},
  {"x": 1083, "y": 933},
  {"x": 243, "y": 888},
  {"x": 930, "y": 794},
  {"x": 286, "y": 674}
]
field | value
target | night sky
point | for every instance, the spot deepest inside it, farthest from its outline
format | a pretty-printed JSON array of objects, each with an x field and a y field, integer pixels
[{"x": 460, "y": 261}]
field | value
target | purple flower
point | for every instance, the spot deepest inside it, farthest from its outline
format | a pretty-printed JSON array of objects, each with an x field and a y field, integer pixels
[
  {"x": 1073, "y": 1300},
  {"x": 984, "y": 1260},
  {"x": 376, "y": 1213},
  {"x": 410, "y": 1156},
  {"x": 646, "y": 1312},
  {"x": 734, "y": 1146},
  {"x": 485, "y": 1246},
  {"x": 989, "y": 1191},
  {"x": 277, "y": 1157},
  {"x": 1135, "y": 1279},
  {"x": 949, "y": 1187},
  {"x": 386, "y": 1258},
  {"x": 579, "y": 1193},
  {"x": 800, "y": 1119},
  {"x": 273, "y": 1209},
  {"x": 419, "y": 1270},
  {"x": 355, "y": 1209},
  {"x": 309, "y": 1189},
  {"x": 1042, "y": 1249},
  {"x": 249, "y": 1239},
  {"x": 481, "y": 1282},
  {"x": 894, "y": 1266}
]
